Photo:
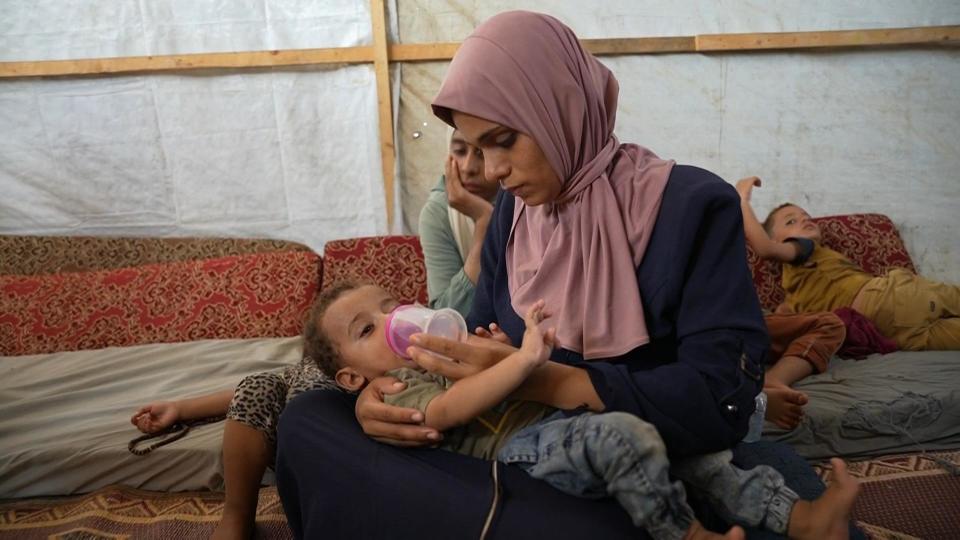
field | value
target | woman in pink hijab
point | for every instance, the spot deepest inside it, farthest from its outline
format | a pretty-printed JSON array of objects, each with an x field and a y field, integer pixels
[{"x": 641, "y": 261}]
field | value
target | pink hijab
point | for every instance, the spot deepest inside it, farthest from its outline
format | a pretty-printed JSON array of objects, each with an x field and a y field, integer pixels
[{"x": 527, "y": 71}]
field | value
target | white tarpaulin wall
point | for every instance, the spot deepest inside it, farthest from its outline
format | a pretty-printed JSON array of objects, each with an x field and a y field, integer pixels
[
  {"x": 283, "y": 153},
  {"x": 838, "y": 132},
  {"x": 293, "y": 153}
]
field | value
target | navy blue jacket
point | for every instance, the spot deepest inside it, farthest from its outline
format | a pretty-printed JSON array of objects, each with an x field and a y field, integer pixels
[
  {"x": 697, "y": 378},
  {"x": 335, "y": 482}
]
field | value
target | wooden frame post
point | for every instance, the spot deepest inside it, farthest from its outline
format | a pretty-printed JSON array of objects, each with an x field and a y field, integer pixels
[{"x": 381, "y": 66}]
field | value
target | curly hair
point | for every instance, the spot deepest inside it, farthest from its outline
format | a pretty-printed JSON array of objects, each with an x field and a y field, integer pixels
[
  {"x": 316, "y": 344},
  {"x": 768, "y": 223}
]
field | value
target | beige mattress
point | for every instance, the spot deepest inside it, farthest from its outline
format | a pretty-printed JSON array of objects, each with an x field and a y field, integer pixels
[{"x": 65, "y": 421}]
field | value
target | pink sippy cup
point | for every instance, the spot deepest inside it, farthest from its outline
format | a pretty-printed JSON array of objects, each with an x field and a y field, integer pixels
[{"x": 406, "y": 320}]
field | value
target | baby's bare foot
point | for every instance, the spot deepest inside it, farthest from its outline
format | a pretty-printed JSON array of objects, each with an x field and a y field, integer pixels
[
  {"x": 698, "y": 532},
  {"x": 784, "y": 406},
  {"x": 827, "y": 517}
]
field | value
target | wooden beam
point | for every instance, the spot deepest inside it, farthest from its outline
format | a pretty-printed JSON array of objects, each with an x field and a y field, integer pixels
[
  {"x": 931, "y": 35},
  {"x": 419, "y": 52},
  {"x": 135, "y": 64},
  {"x": 381, "y": 67},
  {"x": 654, "y": 45},
  {"x": 425, "y": 52}
]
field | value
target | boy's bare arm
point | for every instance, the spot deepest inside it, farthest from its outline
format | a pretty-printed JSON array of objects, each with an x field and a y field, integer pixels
[
  {"x": 159, "y": 415},
  {"x": 757, "y": 237},
  {"x": 215, "y": 404},
  {"x": 473, "y": 395}
]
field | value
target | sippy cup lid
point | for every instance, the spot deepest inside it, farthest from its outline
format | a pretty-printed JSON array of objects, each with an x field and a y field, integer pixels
[
  {"x": 406, "y": 320},
  {"x": 390, "y": 327}
]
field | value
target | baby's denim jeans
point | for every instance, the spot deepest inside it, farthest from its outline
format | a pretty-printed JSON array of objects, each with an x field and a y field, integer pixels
[{"x": 617, "y": 454}]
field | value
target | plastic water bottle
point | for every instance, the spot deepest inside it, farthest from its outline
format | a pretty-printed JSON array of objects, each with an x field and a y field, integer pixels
[
  {"x": 406, "y": 320},
  {"x": 756, "y": 419}
]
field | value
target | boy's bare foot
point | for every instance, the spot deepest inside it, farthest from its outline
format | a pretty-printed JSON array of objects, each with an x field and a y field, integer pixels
[
  {"x": 826, "y": 518},
  {"x": 784, "y": 406},
  {"x": 233, "y": 527},
  {"x": 698, "y": 532}
]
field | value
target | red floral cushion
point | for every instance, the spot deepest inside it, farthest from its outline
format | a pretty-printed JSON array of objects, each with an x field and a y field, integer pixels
[
  {"x": 392, "y": 262},
  {"x": 55, "y": 254},
  {"x": 243, "y": 296},
  {"x": 870, "y": 240}
]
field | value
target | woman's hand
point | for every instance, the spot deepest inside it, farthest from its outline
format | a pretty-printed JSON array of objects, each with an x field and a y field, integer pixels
[
  {"x": 459, "y": 198},
  {"x": 156, "y": 416},
  {"x": 458, "y": 359},
  {"x": 399, "y": 426}
]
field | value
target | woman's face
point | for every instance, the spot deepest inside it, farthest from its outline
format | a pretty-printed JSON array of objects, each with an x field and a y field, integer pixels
[
  {"x": 511, "y": 158},
  {"x": 469, "y": 160}
]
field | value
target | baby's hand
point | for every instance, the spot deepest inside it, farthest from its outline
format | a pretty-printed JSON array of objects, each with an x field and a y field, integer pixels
[
  {"x": 537, "y": 344},
  {"x": 494, "y": 333},
  {"x": 745, "y": 187},
  {"x": 156, "y": 416}
]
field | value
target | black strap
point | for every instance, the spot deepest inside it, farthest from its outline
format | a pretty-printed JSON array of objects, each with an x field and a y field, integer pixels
[{"x": 176, "y": 432}]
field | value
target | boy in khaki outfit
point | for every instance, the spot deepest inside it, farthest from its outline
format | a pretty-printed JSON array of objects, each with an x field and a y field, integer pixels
[{"x": 917, "y": 313}]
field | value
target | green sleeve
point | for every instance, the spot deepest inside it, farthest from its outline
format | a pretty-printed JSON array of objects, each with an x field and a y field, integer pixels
[
  {"x": 421, "y": 389},
  {"x": 447, "y": 284}
]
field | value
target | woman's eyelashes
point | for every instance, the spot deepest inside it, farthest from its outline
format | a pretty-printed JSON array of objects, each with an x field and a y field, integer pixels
[{"x": 505, "y": 139}]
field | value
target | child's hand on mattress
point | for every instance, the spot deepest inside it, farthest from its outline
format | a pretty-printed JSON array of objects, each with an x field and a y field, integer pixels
[{"x": 156, "y": 416}]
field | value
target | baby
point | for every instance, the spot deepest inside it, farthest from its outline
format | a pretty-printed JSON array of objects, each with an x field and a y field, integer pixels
[{"x": 583, "y": 454}]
